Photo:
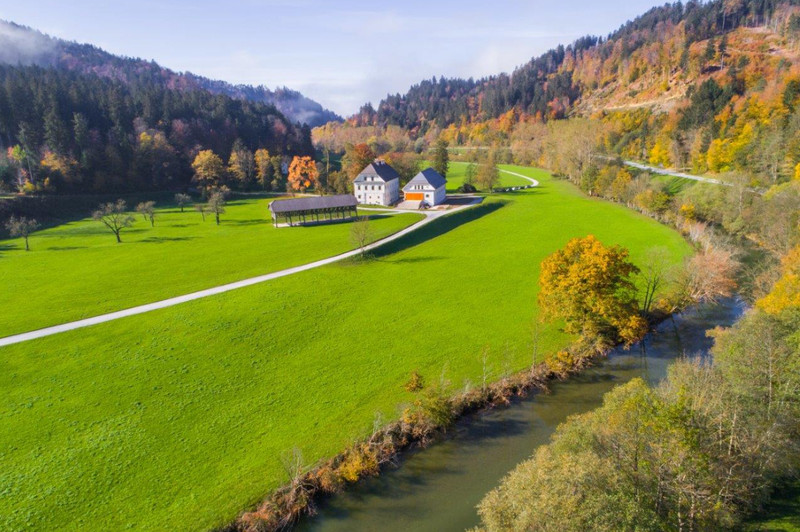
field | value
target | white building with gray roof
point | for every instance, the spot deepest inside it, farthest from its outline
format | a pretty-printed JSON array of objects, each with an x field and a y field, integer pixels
[
  {"x": 428, "y": 186},
  {"x": 377, "y": 184}
]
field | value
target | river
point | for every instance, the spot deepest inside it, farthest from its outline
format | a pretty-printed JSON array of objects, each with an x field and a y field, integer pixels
[{"x": 437, "y": 488}]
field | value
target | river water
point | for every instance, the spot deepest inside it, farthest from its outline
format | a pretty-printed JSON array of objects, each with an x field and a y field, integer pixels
[{"x": 437, "y": 488}]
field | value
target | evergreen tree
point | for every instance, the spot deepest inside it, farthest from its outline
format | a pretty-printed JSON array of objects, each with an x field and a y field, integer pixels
[{"x": 441, "y": 157}]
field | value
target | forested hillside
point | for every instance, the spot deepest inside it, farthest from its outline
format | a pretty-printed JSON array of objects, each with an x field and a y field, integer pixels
[
  {"x": 21, "y": 45},
  {"x": 659, "y": 42},
  {"x": 710, "y": 87},
  {"x": 67, "y": 131}
]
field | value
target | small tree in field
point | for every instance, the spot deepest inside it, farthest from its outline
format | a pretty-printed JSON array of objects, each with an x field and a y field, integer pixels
[
  {"x": 183, "y": 200},
  {"x": 488, "y": 176},
  {"x": 114, "y": 216},
  {"x": 148, "y": 211},
  {"x": 361, "y": 234},
  {"x": 590, "y": 287},
  {"x": 201, "y": 209},
  {"x": 22, "y": 227},
  {"x": 216, "y": 204}
]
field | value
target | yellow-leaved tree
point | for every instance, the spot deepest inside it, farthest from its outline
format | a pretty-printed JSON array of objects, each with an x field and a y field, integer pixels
[
  {"x": 590, "y": 287},
  {"x": 303, "y": 173},
  {"x": 659, "y": 154},
  {"x": 785, "y": 293},
  {"x": 209, "y": 170},
  {"x": 263, "y": 167}
]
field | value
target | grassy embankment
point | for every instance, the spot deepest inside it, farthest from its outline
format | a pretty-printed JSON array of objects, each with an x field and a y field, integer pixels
[
  {"x": 77, "y": 270},
  {"x": 177, "y": 419}
]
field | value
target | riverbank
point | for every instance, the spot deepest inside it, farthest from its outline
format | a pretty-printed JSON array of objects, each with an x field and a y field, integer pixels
[
  {"x": 429, "y": 420},
  {"x": 436, "y": 488}
]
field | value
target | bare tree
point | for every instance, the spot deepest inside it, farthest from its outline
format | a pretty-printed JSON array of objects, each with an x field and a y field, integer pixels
[
  {"x": 654, "y": 271},
  {"x": 361, "y": 234},
  {"x": 201, "y": 209},
  {"x": 216, "y": 204},
  {"x": 148, "y": 211},
  {"x": 707, "y": 277},
  {"x": 114, "y": 216},
  {"x": 299, "y": 490},
  {"x": 22, "y": 227},
  {"x": 183, "y": 200}
]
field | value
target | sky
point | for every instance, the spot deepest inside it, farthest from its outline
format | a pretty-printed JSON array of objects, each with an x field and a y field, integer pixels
[{"x": 341, "y": 53}]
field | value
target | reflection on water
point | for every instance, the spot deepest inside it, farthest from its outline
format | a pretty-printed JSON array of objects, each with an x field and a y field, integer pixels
[{"x": 437, "y": 489}]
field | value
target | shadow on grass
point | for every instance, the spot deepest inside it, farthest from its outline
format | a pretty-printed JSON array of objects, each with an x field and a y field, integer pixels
[
  {"x": 162, "y": 239},
  {"x": 414, "y": 260},
  {"x": 255, "y": 221},
  {"x": 375, "y": 217},
  {"x": 525, "y": 191},
  {"x": 436, "y": 228},
  {"x": 66, "y": 248}
]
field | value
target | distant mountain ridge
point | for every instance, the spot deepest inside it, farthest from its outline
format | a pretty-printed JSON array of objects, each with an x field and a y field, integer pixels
[
  {"x": 20, "y": 45},
  {"x": 650, "y": 56}
]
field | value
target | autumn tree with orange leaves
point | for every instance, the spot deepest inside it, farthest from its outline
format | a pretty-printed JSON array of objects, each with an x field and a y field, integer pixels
[
  {"x": 303, "y": 174},
  {"x": 590, "y": 287},
  {"x": 356, "y": 158}
]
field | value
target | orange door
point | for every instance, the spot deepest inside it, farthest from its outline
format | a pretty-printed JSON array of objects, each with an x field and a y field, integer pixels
[{"x": 415, "y": 196}]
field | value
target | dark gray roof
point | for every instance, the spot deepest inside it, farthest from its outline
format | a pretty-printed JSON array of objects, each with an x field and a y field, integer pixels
[
  {"x": 429, "y": 176},
  {"x": 378, "y": 168},
  {"x": 310, "y": 204}
]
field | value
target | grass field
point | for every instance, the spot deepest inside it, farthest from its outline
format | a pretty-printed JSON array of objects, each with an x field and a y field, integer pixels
[
  {"x": 78, "y": 270},
  {"x": 455, "y": 178},
  {"x": 177, "y": 419}
]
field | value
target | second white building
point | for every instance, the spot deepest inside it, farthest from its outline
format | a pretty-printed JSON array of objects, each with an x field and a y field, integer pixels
[{"x": 428, "y": 187}]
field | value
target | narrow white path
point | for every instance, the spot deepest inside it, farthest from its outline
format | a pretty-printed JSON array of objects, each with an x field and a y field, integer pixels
[
  {"x": 171, "y": 302},
  {"x": 532, "y": 180},
  {"x": 663, "y": 171}
]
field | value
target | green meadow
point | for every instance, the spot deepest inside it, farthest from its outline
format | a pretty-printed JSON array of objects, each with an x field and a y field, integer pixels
[
  {"x": 77, "y": 270},
  {"x": 455, "y": 178},
  {"x": 178, "y": 419}
]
